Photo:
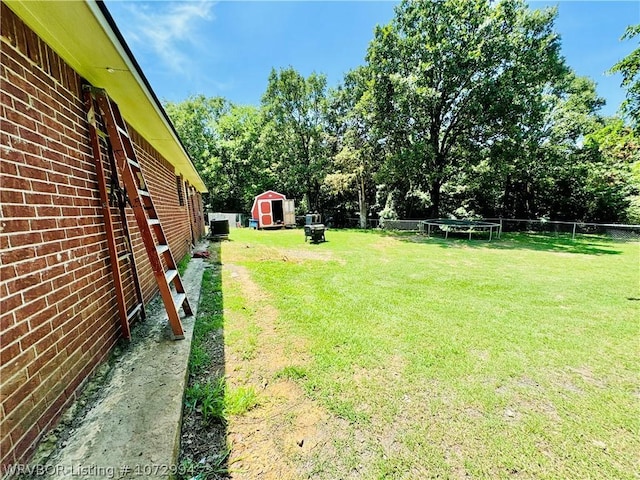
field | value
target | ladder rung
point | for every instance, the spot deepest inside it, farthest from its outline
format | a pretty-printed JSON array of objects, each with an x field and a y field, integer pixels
[
  {"x": 144, "y": 193},
  {"x": 122, "y": 131},
  {"x": 133, "y": 163},
  {"x": 170, "y": 275},
  {"x": 179, "y": 299},
  {"x": 122, "y": 256},
  {"x": 162, "y": 248},
  {"x": 154, "y": 221},
  {"x": 134, "y": 311}
]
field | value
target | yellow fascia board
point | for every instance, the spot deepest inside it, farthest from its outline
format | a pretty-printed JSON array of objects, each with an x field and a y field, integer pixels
[{"x": 79, "y": 32}]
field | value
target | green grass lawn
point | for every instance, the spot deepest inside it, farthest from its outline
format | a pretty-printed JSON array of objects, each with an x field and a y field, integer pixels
[{"x": 516, "y": 358}]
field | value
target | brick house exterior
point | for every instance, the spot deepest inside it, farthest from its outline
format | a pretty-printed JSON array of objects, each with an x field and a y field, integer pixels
[{"x": 58, "y": 311}]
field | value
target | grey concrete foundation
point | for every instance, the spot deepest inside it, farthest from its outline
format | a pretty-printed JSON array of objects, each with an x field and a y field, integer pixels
[{"x": 133, "y": 428}]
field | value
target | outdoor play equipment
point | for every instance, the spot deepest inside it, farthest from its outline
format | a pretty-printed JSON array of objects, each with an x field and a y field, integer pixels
[{"x": 447, "y": 225}]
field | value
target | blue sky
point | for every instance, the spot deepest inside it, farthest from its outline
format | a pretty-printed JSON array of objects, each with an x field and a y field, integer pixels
[{"x": 228, "y": 48}]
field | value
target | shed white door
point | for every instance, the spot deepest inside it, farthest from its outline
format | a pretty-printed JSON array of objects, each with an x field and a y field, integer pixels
[{"x": 289, "y": 212}]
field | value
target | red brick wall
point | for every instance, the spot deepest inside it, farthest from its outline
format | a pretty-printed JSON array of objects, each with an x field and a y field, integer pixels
[
  {"x": 58, "y": 314},
  {"x": 200, "y": 221},
  {"x": 196, "y": 212}
]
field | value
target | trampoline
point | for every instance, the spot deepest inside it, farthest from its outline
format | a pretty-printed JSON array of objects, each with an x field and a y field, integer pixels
[{"x": 447, "y": 225}]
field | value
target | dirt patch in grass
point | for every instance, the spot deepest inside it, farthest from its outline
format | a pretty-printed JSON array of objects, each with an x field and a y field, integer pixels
[
  {"x": 300, "y": 256},
  {"x": 269, "y": 440},
  {"x": 285, "y": 431},
  {"x": 264, "y": 253},
  {"x": 383, "y": 243}
]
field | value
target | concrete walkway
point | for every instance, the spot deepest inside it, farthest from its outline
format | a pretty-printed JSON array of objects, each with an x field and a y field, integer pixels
[{"x": 133, "y": 429}]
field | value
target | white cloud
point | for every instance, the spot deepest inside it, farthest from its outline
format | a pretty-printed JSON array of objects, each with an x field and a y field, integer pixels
[{"x": 169, "y": 29}]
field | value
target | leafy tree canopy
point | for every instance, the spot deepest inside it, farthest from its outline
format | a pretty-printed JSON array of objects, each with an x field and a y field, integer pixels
[
  {"x": 629, "y": 67},
  {"x": 294, "y": 109},
  {"x": 453, "y": 74},
  {"x": 463, "y": 107}
]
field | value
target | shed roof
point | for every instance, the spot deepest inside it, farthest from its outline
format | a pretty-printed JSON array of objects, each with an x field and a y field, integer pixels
[
  {"x": 271, "y": 193},
  {"x": 85, "y": 35}
]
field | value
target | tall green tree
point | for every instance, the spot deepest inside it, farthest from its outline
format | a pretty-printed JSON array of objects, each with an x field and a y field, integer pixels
[
  {"x": 357, "y": 152},
  {"x": 542, "y": 174},
  {"x": 451, "y": 76},
  {"x": 241, "y": 168},
  {"x": 294, "y": 109},
  {"x": 612, "y": 173},
  {"x": 195, "y": 119},
  {"x": 629, "y": 67}
]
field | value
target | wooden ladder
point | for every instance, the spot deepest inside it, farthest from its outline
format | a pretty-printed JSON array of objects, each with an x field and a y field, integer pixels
[
  {"x": 155, "y": 242},
  {"x": 121, "y": 261}
]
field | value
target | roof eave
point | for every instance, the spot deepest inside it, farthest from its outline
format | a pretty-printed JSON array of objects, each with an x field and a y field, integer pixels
[{"x": 99, "y": 53}]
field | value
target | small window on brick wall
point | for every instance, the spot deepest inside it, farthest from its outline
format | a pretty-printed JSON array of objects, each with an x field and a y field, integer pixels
[{"x": 180, "y": 188}]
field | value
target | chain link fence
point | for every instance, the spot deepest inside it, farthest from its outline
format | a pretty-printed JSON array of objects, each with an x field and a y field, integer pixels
[
  {"x": 404, "y": 225},
  {"x": 557, "y": 228},
  {"x": 354, "y": 222},
  {"x": 544, "y": 227}
]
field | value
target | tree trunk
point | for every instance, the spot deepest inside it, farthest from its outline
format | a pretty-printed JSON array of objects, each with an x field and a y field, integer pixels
[
  {"x": 306, "y": 203},
  {"x": 507, "y": 207},
  {"x": 309, "y": 196},
  {"x": 435, "y": 198},
  {"x": 439, "y": 164},
  {"x": 362, "y": 204},
  {"x": 530, "y": 201}
]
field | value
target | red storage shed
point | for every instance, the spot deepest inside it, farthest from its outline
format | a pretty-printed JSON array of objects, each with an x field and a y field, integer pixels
[{"x": 272, "y": 210}]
